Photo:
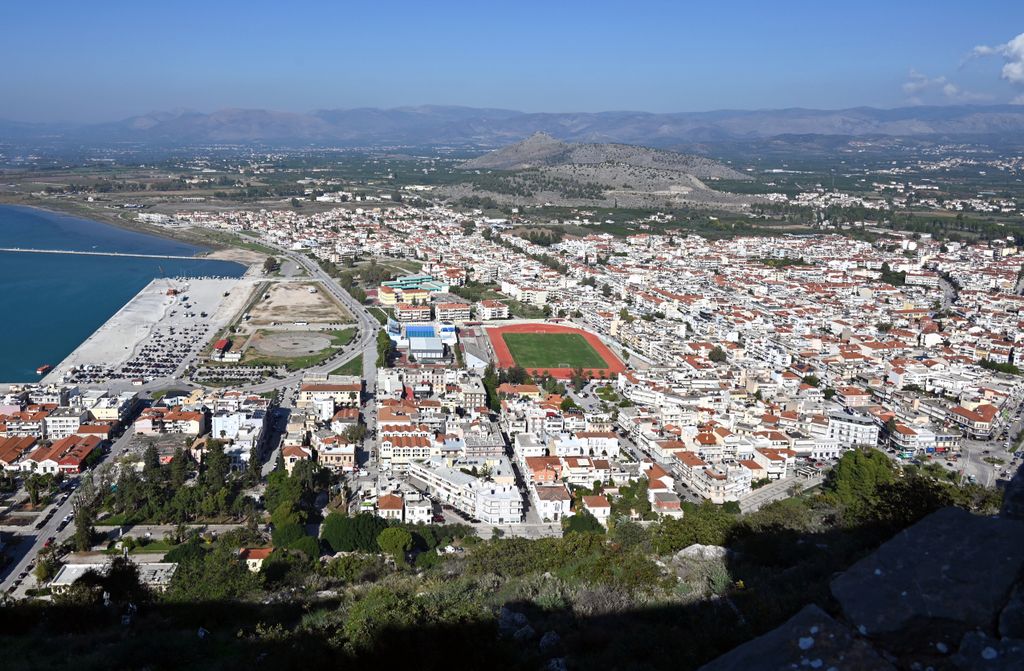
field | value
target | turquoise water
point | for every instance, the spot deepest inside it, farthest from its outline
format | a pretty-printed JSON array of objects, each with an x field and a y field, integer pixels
[{"x": 50, "y": 303}]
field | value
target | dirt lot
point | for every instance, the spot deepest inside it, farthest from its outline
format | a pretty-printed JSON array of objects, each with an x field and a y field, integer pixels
[
  {"x": 290, "y": 343},
  {"x": 291, "y": 302}
]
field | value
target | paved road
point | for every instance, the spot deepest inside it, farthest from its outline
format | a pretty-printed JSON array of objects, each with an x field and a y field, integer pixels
[
  {"x": 949, "y": 293},
  {"x": 31, "y": 540},
  {"x": 365, "y": 343},
  {"x": 776, "y": 491}
]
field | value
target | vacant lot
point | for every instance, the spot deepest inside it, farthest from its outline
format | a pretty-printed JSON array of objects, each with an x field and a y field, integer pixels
[
  {"x": 291, "y": 302},
  {"x": 552, "y": 350},
  {"x": 295, "y": 349}
]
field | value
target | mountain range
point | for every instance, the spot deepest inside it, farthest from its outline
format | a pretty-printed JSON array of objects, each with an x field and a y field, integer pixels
[{"x": 477, "y": 127}]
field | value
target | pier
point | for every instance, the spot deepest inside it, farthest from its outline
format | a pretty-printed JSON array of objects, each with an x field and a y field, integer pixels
[{"x": 90, "y": 253}]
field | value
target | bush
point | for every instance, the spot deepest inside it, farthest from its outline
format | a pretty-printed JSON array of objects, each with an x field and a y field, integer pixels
[
  {"x": 396, "y": 542},
  {"x": 287, "y": 534},
  {"x": 347, "y": 534},
  {"x": 355, "y": 568},
  {"x": 308, "y": 546},
  {"x": 583, "y": 522},
  {"x": 706, "y": 524}
]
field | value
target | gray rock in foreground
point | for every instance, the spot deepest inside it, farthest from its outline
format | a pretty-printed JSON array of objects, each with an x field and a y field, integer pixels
[
  {"x": 809, "y": 640},
  {"x": 981, "y": 653},
  {"x": 949, "y": 573}
]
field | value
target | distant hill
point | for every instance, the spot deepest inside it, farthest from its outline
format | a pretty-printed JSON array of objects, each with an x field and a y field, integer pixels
[
  {"x": 489, "y": 128},
  {"x": 545, "y": 170},
  {"x": 542, "y": 150}
]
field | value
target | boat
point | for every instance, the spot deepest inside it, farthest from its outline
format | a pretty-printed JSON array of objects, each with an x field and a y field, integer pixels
[{"x": 44, "y": 369}]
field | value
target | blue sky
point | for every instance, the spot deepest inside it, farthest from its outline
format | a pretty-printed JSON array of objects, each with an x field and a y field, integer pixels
[{"x": 92, "y": 61}]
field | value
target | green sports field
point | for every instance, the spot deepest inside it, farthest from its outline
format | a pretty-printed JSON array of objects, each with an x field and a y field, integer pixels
[{"x": 552, "y": 350}]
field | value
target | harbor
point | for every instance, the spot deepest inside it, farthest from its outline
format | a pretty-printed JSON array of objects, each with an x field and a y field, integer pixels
[
  {"x": 157, "y": 333},
  {"x": 64, "y": 277}
]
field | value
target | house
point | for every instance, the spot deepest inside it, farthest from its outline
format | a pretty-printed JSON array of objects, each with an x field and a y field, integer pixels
[
  {"x": 853, "y": 397},
  {"x": 399, "y": 444},
  {"x": 64, "y": 422},
  {"x": 418, "y": 510},
  {"x": 391, "y": 507},
  {"x": 453, "y": 312},
  {"x": 543, "y": 470},
  {"x": 976, "y": 422},
  {"x": 599, "y": 443},
  {"x": 772, "y": 462},
  {"x": 667, "y": 504},
  {"x": 852, "y": 430},
  {"x": 552, "y": 502},
  {"x": 343, "y": 419},
  {"x": 341, "y": 393},
  {"x": 480, "y": 498},
  {"x": 156, "y": 576},
  {"x": 336, "y": 453},
  {"x": 159, "y": 420},
  {"x": 599, "y": 507},
  {"x": 293, "y": 454},
  {"x": 64, "y": 456},
  {"x": 254, "y": 557},
  {"x": 406, "y": 312},
  {"x": 13, "y": 449}
]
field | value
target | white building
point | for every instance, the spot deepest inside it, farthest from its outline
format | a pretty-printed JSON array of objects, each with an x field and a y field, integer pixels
[
  {"x": 64, "y": 422},
  {"x": 479, "y": 498},
  {"x": 850, "y": 430},
  {"x": 552, "y": 502}
]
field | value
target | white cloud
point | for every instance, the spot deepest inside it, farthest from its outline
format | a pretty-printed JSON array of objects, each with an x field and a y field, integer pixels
[
  {"x": 1019, "y": 100},
  {"x": 1012, "y": 54},
  {"x": 920, "y": 85}
]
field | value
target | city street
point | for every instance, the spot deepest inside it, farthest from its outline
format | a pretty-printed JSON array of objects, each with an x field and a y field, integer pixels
[{"x": 32, "y": 540}]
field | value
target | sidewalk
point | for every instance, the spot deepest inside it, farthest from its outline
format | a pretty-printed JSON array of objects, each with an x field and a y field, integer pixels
[{"x": 776, "y": 491}]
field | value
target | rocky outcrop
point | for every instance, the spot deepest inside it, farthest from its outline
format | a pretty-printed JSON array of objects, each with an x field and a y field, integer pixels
[
  {"x": 809, "y": 640},
  {"x": 945, "y": 593},
  {"x": 951, "y": 572}
]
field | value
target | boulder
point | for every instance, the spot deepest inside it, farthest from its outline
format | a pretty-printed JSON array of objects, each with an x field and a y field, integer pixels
[
  {"x": 524, "y": 633},
  {"x": 809, "y": 640},
  {"x": 704, "y": 552},
  {"x": 978, "y": 652},
  {"x": 549, "y": 641},
  {"x": 950, "y": 573},
  {"x": 1011, "y": 620},
  {"x": 509, "y": 621}
]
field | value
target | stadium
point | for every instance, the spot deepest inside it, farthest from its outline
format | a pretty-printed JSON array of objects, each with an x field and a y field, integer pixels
[{"x": 553, "y": 349}]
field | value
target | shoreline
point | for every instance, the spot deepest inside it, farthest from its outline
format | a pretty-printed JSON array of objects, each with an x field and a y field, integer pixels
[
  {"x": 248, "y": 260},
  {"x": 74, "y": 209},
  {"x": 121, "y": 337}
]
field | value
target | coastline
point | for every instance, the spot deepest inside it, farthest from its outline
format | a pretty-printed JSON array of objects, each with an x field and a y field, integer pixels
[
  {"x": 212, "y": 244},
  {"x": 121, "y": 337},
  {"x": 118, "y": 327}
]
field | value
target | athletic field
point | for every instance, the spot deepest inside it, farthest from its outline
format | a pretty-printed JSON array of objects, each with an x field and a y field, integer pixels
[{"x": 552, "y": 348}]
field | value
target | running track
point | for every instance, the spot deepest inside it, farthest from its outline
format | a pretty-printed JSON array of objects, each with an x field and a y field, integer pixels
[{"x": 613, "y": 364}]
